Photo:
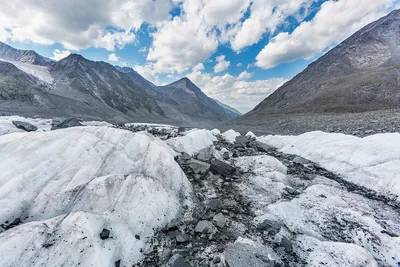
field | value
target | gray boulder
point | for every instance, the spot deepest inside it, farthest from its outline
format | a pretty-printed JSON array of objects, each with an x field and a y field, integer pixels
[
  {"x": 244, "y": 253},
  {"x": 269, "y": 226},
  {"x": 25, "y": 126},
  {"x": 263, "y": 147},
  {"x": 301, "y": 160},
  {"x": 225, "y": 155},
  {"x": 220, "y": 167},
  {"x": 178, "y": 261},
  {"x": 67, "y": 123},
  {"x": 205, "y": 154},
  {"x": 219, "y": 220},
  {"x": 199, "y": 167},
  {"x": 204, "y": 227}
]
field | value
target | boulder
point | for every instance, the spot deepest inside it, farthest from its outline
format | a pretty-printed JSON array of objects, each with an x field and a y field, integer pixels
[
  {"x": 242, "y": 140},
  {"x": 219, "y": 220},
  {"x": 225, "y": 156},
  {"x": 204, "y": 227},
  {"x": 178, "y": 261},
  {"x": 214, "y": 204},
  {"x": 285, "y": 243},
  {"x": 182, "y": 238},
  {"x": 67, "y": 123},
  {"x": 105, "y": 234},
  {"x": 199, "y": 167},
  {"x": 220, "y": 167},
  {"x": 25, "y": 126},
  {"x": 205, "y": 155},
  {"x": 269, "y": 226},
  {"x": 173, "y": 225},
  {"x": 245, "y": 252},
  {"x": 301, "y": 160},
  {"x": 263, "y": 147}
]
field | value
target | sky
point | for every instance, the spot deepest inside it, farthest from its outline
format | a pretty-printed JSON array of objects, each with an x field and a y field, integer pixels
[{"x": 236, "y": 51}]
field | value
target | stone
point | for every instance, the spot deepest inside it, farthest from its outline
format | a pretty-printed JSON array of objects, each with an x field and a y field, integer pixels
[
  {"x": 219, "y": 220},
  {"x": 67, "y": 123},
  {"x": 185, "y": 156},
  {"x": 204, "y": 227},
  {"x": 118, "y": 263},
  {"x": 137, "y": 237},
  {"x": 24, "y": 126},
  {"x": 242, "y": 141},
  {"x": 217, "y": 259},
  {"x": 199, "y": 167},
  {"x": 205, "y": 155},
  {"x": 269, "y": 226},
  {"x": 245, "y": 252},
  {"x": 182, "y": 238},
  {"x": 285, "y": 243},
  {"x": 225, "y": 156},
  {"x": 214, "y": 204},
  {"x": 173, "y": 225},
  {"x": 220, "y": 167},
  {"x": 301, "y": 160},
  {"x": 105, "y": 234},
  {"x": 263, "y": 147},
  {"x": 178, "y": 261}
]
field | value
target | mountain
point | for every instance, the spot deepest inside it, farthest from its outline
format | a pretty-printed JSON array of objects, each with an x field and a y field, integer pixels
[
  {"x": 230, "y": 111},
  {"x": 361, "y": 74},
  {"x": 32, "y": 85},
  {"x": 192, "y": 101},
  {"x": 24, "y": 56}
]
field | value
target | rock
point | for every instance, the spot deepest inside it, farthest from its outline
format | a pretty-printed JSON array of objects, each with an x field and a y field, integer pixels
[
  {"x": 301, "y": 160},
  {"x": 217, "y": 259},
  {"x": 205, "y": 155},
  {"x": 182, "y": 238},
  {"x": 269, "y": 226},
  {"x": 220, "y": 167},
  {"x": 263, "y": 147},
  {"x": 235, "y": 155},
  {"x": 204, "y": 227},
  {"x": 199, "y": 167},
  {"x": 137, "y": 237},
  {"x": 214, "y": 204},
  {"x": 185, "y": 156},
  {"x": 181, "y": 129},
  {"x": 286, "y": 244},
  {"x": 25, "y": 126},
  {"x": 71, "y": 122},
  {"x": 16, "y": 222},
  {"x": 219, "y": 220},
  {"x": 225, "y": 155},
  {"x": 242, "y": 141},
  {"x": 245, "y": 252},
  {"x": 173, "y": 225},
  {"x": 118, "y": 263},
  {"x": 105, "y": 234},
  {"x": 178, "y": 261}
]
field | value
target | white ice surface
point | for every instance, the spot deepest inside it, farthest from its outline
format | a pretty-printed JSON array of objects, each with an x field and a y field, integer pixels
[
  {"x": 251, "y": 134},
  {"x": 7, "y": 127},
  {"x": 230, "y": 135},
  {"x": 193, "y": 141},
  {"x": 215, "y": 131},
  {"x": 40, "y": 72},
  {"x": 67, "y": 185},
  {"x": 372, "y": 162}
]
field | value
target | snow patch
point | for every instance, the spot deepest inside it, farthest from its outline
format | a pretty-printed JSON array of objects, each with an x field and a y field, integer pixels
[
  {"x": 251, "y": 134},
  {"x": 193, "y": 141},
  {"x": 372, "y": 162},
  {"x": 40, "y": 72},
  {"x": 67, "y": 185},
  {"x": 6, "y": 125},
  {"x": 230, "y": 135}
]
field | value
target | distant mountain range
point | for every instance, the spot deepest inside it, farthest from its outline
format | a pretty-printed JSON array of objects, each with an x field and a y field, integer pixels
[
  {"x": 32, "y": 85},
  {"x": 360, "y": 74}
]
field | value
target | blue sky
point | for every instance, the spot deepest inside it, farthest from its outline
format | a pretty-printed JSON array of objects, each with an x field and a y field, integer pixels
[{"x": 236, "y": 51}]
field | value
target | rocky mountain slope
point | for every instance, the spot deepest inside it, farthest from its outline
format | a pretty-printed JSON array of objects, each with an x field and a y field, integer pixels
[
  {"x": 231, "y": 112},
  {"x": 360, "y": 74},
  {"x": 75, "y": 86}
]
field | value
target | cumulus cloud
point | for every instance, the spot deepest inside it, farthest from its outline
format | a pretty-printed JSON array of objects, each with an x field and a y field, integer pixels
[
  {"x": 335, "y": 21},
  {"x": 58, "y": 54},
  {"x": 113, "y": 57},
  {"x": 198, "y": 67},
  {"x": 235, "y": 91},
  {"x": 148, "y": 72},
  {"x": 222, "y": 64},
  {"x": 245, "y": 75},
  {"x": 79, "y": 24}
]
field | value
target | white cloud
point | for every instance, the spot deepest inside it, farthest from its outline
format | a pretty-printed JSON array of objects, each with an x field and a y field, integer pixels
[
  {"x": 148, "y": 72},
  {"x": 79, "y": 24},
  {"x": 143, "y": 49},
  {"x": 239, "y": 65},
  {"x": 265, "y": 16},
  {"x": 234, "y": 91},
  {"x": 335, "y": 21},
  {"x": 245, "y": 75},
  {"x": 222, "y": 64},
  {"x": 198, "y": 67},
  {"x": 113, "y": 57},
  {"x": 58, "y": 54}
]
